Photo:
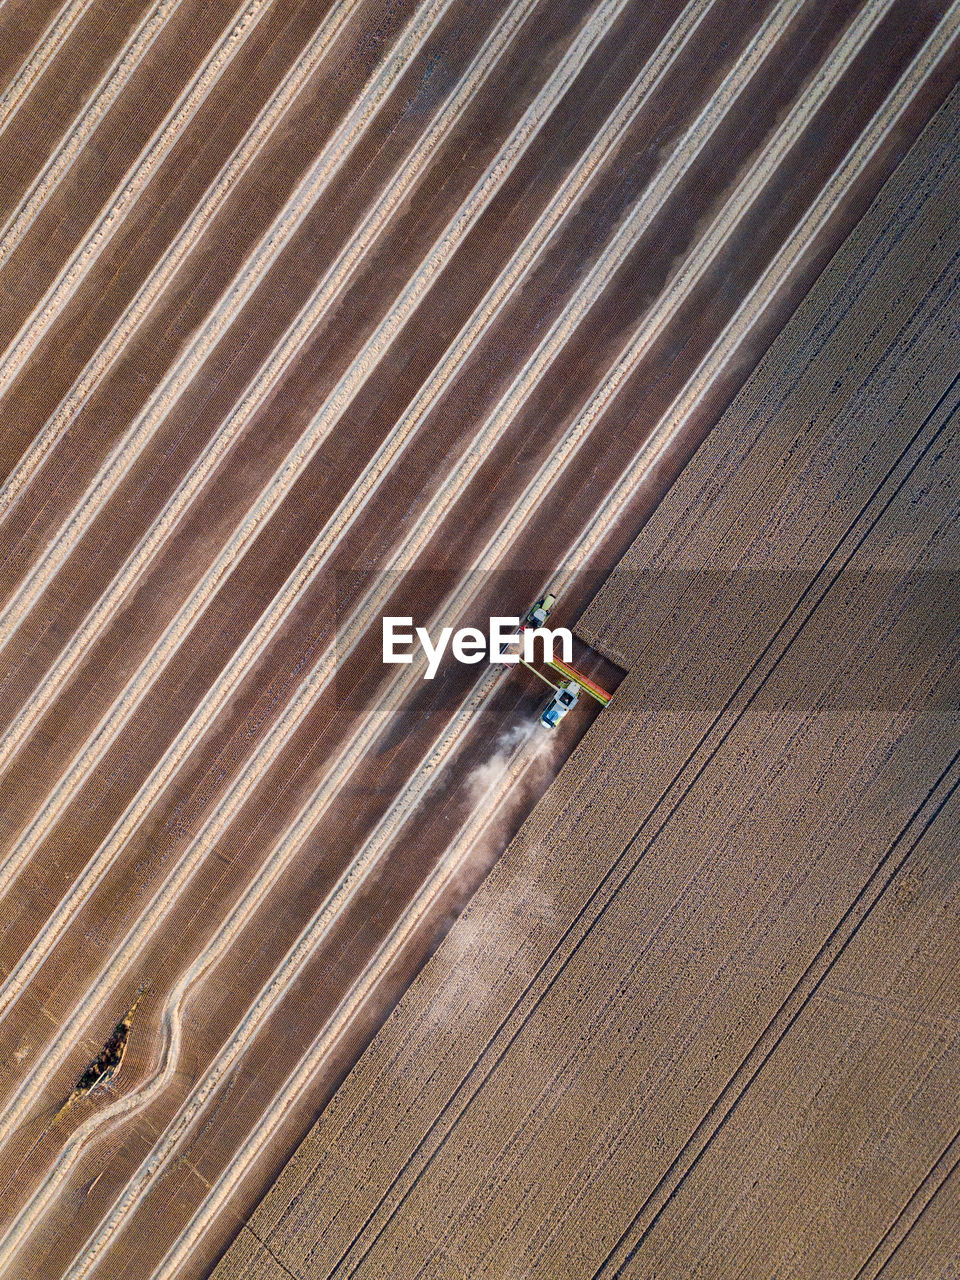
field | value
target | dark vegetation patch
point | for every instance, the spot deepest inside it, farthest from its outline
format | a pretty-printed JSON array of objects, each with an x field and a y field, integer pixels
[{"x": 107, "y": 1062}]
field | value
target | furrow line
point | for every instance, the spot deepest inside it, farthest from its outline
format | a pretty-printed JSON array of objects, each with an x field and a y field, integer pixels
[
  {"x": 86, "y": 254},
  {"x": 97, "y": 106},
  {"x": 656, "y": 321},
  {"x": 693, "y": 270},
  {"x": 163, "y": 273},
  {"x": 43, "y": 54},
  {"x": 162, "y": 902},
  {"x": 105, "y": 733},
  {"x": 283, "y": 603},
  {"x": 260, "y": 387},
  {"x": 274, "y": 242},
  {"x": 935, "y": 48}
]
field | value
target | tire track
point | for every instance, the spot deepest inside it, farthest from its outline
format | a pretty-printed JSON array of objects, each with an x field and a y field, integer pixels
[
  {"x": 909, "y": 1217},
  {"x": 280, "y": 609},
  {"x": 937, "y": 46}
]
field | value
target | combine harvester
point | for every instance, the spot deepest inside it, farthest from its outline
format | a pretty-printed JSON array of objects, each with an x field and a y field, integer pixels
[{"x": 566, "y": 695}]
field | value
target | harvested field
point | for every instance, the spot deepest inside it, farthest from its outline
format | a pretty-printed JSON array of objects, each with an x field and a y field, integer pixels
[
  {"x": 313, "y": 314},
  {"x": 703, "y": 1017}
]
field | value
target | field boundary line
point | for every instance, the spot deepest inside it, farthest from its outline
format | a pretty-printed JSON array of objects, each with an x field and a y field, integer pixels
[
  {"x": 593, "y": 909},
  {"x": 787, "y": 382},
  {"x": 600, "y": 894}
]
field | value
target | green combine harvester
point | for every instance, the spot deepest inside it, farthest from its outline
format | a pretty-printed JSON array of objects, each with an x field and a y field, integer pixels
[{"x": 565, "y": 696}]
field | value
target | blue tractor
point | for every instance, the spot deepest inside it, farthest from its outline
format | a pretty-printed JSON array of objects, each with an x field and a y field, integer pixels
[{"x": 563, "y": 700}]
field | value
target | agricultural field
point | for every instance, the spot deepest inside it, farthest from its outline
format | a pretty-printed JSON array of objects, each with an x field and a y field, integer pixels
[
  {"x": 318, "y": 312},
  {"x": 703, "y": 1017}
]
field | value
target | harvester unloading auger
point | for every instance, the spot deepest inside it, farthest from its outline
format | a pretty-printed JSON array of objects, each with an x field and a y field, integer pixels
[{"x": 566, "y": 695}]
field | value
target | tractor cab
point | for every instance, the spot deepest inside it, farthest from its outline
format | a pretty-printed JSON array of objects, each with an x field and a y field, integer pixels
[
  {"x": 540, "y": 612},
  {"x": 563, "y": 700}
]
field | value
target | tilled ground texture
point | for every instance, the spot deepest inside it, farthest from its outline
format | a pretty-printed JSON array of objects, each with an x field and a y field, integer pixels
[
  {"x": 311, "y": 313},
  {"x": 703, "y": 1018}
]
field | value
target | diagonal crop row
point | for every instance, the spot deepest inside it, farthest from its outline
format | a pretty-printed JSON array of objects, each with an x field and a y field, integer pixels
[
  {"x": 43, "y": 53},
  {"x": 403, "y": 560},
  {"x": 295, "y": 463},
  {"x": 317, "y": 180},
  {"x": 101, "y": 100},
  {"x": 161, "y": 276},
  {"x": 242, "y": 25},
  {"x": 307, "y": 571},
  {"x": 262, "y": 1007}
]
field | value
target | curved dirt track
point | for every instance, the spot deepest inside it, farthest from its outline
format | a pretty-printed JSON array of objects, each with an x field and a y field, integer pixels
[{"x": 316, "y": 313}]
